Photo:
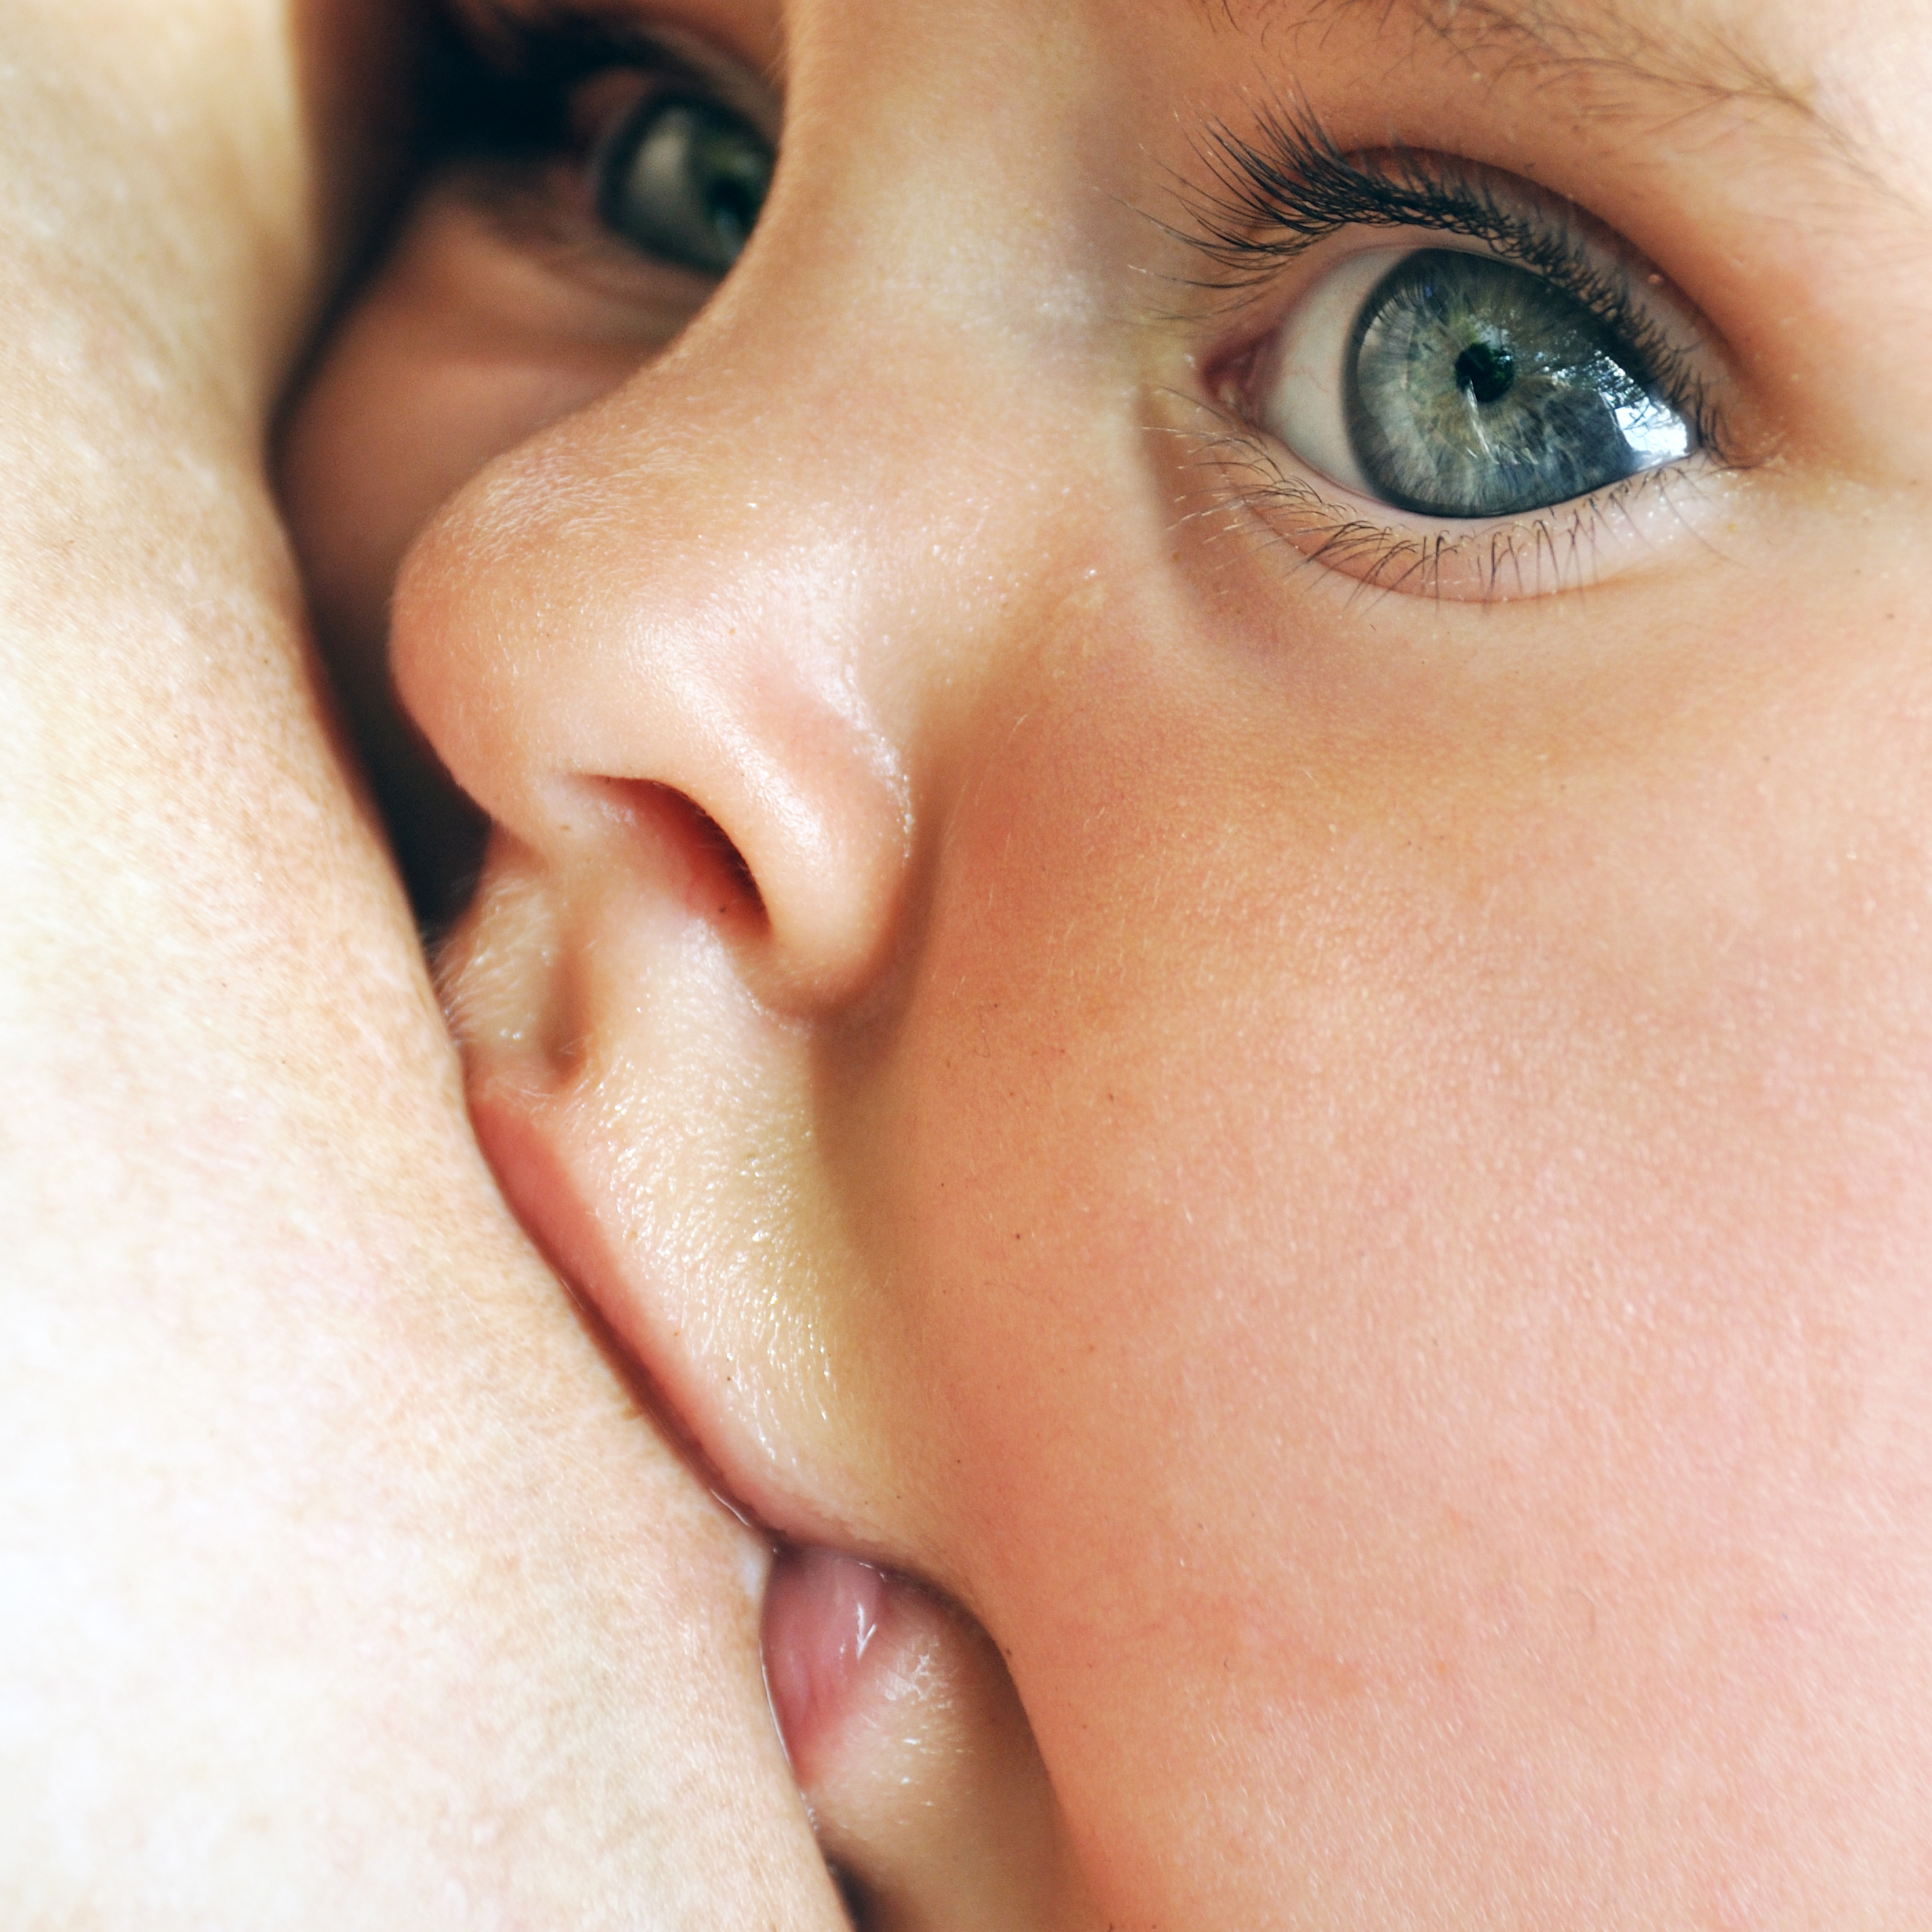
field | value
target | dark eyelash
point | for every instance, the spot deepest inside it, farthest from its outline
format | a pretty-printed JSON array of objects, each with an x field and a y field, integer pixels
[
  {"x": 1547, "y": 550},
  {"x": 1276, "y": 193},
  {"x": 496, "y": 82}
]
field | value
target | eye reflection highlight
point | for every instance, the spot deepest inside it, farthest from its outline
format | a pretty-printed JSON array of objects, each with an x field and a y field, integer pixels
[{"x": 1457, "y": 386}]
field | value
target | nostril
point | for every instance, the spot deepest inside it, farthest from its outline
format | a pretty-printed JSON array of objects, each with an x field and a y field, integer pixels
[
  {"x": 729, "y": 858},
  {"x": 717, "y": 881}
]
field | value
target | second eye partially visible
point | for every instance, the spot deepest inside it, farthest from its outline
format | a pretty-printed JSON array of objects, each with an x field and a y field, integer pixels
[
  {"x": 684, "y": 177},
  {"x": 599, "y": 134}
]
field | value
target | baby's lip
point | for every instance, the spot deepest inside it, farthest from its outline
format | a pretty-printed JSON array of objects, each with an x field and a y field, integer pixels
[
  {"x": 823, "y": 1616},
  {"x": 507, "y": 1112},
  {"x": 823, "y": 1609},
  {"x": 725, "y": 1436},
  {"x": 903, "y": 1729}
]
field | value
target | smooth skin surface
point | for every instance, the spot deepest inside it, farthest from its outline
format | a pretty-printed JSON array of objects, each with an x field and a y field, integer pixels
[
  {"x": 1328, "y": 1136},
  {"x": 341, "y": 1582}
]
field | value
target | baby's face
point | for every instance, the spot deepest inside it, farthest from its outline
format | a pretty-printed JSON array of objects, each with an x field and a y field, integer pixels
[{"x": 1211, "y": 909}]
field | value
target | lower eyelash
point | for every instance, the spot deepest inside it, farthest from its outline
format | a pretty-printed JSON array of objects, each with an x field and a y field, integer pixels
[{"x": 1533, "y": 556}]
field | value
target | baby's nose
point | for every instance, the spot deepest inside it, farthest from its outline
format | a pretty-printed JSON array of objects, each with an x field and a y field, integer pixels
[
  {"x": 910, "y": 1745},
  {"x": 763, "y": 577},
  {"x": 626, "y": 680}
]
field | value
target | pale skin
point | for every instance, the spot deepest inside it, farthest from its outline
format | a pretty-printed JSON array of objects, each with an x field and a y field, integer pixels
[
  {"x": 1338, "y": 1167},
  {"x": 341, "y": 1583}
]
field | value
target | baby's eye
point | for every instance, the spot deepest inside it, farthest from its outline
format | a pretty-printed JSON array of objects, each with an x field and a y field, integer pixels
[
  {"x": 1449, "y": 383},
  {"x": 683, "y": 179}
]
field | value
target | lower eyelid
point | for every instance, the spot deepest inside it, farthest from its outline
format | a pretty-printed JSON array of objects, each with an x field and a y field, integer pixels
[{"x": 1641, "y": 519}]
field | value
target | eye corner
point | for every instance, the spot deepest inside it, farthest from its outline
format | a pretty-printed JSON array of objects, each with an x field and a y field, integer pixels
[{"x": 1228, "y": 375}]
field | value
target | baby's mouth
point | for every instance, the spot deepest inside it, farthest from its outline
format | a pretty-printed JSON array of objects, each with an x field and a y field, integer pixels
[
  {"x": 830, "y": 1623},
  {"x": 912, "y": 1755},
  {"x": 617, "y": 1128}
]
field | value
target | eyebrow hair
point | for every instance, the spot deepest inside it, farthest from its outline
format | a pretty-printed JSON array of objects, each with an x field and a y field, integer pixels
[{"x": 1687, "y": 64}]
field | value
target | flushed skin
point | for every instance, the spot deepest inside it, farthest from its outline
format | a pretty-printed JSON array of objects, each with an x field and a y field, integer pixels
[{"x": 1344, "y": 1169}]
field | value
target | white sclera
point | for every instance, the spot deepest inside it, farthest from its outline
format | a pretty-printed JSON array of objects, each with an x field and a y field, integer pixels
[
  {"x": 1305, "y": 374},
  {"x": 1302, "y": 403}
]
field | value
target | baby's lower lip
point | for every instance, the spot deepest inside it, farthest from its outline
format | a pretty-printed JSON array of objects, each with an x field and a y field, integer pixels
[
  {"x": 829, "y": 1618},
  {"x": 537, "y": 1184}
]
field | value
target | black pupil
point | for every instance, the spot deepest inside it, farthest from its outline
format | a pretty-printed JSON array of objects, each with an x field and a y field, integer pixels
[
  {"x": 730, "y": 172},
  {"x": 1485, "y": 372},
  {"x": 734, "y": 206}
]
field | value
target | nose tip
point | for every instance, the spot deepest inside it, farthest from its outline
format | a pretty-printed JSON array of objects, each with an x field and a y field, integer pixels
[{"x": 618, "y": 672}]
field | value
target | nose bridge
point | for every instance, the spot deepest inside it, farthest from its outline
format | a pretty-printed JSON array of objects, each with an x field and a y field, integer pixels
[
  {"x": 735, "y": 576},
  {"x": 885, "y": 363}
]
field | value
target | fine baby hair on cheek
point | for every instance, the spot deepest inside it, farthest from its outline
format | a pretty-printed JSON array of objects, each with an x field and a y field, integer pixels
[{"x": 1305, "y": 1099}]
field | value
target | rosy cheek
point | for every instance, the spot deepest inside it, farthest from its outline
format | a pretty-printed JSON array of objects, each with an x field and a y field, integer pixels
[
  {"x": 1102, "y": 1249},
  {"x": 1385, "y": 1268}
]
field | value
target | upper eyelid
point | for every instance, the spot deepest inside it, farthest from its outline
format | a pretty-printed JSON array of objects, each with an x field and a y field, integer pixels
[
  {"x": 502, "y": 76},
  {"x": 554, "y": 41},
  {"x": 1274, "y": 195}
]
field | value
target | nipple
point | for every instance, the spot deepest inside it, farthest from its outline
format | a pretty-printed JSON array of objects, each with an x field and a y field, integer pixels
[
  {"x": 914, "y": 1755},
  {"x": 822, "y": 1615}
]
